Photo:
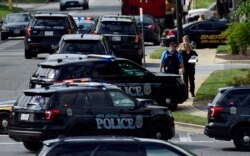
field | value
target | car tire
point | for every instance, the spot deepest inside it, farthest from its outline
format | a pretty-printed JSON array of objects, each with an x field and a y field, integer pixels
[
  {"x": 28, "y": 53},
  {"x": 62, "y": 8},
  {"x": 4, "y": 37},
  {"x": 79, "y": 131},
  {"x": 158, "y": 40},
  {"x": 158, "y": 131},
  {"x": 193, "y": 44},
  {"x": 4, "y": 122},
  {"x": 241, "y": 138},
  {"x": 168, "y": 99},
  {"x": 32, "y": 145}
]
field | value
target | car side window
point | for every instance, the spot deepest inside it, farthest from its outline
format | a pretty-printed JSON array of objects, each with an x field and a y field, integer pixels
[
  {"x": 98, "y": 99},
  {"x": 66, "y": 99},
  {"x": 130, "y": 70},
  {"x": 105, "y": 69},
  {"x": 205, "y": 26},
  {"x": 235, "y": 97},
  {"x": 120, "y": 99},
  {"x": 118, "y": 149},
  {"x": 161, "y": 150},
  {"x": 75, "y": 72}
]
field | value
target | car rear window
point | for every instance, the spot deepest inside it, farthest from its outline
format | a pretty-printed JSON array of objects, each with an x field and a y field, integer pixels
[
  {"x": 46, "y": 72},
  {"x": 122, "y": 28},
  {"x": 33, "y": 101},
  {"x": 16, "y": 18},
  {"x": 51, "y": 22},
  {"x": 83, "y": 47},
  {"x": 75, "y": 71}
]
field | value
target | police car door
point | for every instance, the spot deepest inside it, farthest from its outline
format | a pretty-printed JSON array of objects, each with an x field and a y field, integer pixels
[{"x": 127, "y": 117}]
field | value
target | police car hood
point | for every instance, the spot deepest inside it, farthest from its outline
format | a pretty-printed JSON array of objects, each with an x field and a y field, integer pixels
[{"x": 7, "y": 103}]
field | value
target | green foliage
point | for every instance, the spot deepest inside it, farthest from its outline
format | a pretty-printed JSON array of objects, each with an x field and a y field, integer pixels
[
  {"x": 157, "y": 53},
  {"x": 237, "y": 36},
  {"x": 240, "y": 80},
  {"x": 242, "y": 9},
  {"x": 187, "y": 118}
]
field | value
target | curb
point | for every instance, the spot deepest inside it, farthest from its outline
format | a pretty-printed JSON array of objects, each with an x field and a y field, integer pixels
[{"x": 189, "y": 127}]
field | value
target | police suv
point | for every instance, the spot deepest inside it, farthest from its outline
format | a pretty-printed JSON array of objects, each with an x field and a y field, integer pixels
[
  {"x": 167, "y": 89},
  {"x": 85, "y": 109}
]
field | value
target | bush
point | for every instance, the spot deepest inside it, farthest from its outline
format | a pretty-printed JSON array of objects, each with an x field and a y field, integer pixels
[{"x": 237, "y": 80}]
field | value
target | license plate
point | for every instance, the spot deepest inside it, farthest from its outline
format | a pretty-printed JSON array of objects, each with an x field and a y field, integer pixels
[
  {"x": 24, "y": 117},
  {"x": 38, "y": 86},
  {"x": 16, "y": 31},
  {"x": 48, "y": 33},
  {"x": 116, "y": 38}
]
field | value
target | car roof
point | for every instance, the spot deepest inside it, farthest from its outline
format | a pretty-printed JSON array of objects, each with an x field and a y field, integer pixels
[
  {"x": 51, "y": 14},
  {"x": 82, "y": 37},
  {"x": 70, "y": 87},
  {"x": 81, "y": 59}
]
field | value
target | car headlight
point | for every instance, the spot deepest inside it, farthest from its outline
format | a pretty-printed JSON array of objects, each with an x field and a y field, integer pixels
[{"x": 5, "y": 28}]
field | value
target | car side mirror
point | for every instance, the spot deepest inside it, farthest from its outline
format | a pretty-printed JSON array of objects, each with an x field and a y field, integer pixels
[{"x": 147, "y": 102}]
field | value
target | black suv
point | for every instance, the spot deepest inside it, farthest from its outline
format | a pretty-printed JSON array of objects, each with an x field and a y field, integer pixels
[
  {"x": 167, "y": 89},
  {"x": 228, "y": 116},
  {"x": 110, "y": 146},
  {"x": 83, "y": 44},
  {"x": 123, "y": 35},
  {"x": 85, "y": 109},
  {"x": 44, "y": 32}
]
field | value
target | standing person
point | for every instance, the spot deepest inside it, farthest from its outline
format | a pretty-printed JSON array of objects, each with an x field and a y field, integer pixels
[
  {"x": 189, "y": 68},
  {"x": 171, "y": 60},
  {"x": 185, "y": 40}
]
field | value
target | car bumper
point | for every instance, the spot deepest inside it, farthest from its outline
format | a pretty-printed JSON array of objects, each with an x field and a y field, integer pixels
[
  {"x": 73, "y": 3},
  {"x": 219, "y": 133},
  {"x": 13, "y": 33},
  {"x": 20, "y": 135},
  {"x": 50, "y": 45}
]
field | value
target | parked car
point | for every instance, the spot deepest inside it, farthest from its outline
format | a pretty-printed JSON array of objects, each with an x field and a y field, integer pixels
[
  {"x": 168, "y": 89},
  {"x": 13, "y": 25},
  {"x": 85, "y": 109},
  {"x": 44, "y": 32},
  {"x": 123, "y": 35},
  {"x": 64, "y": 4},
  {"x": 203, "y": 34},
  {"x": 151, "y": 29},
  {"x": 111, "y": 146},
  {"x": 5, "y": 109},
  {"x": 228, "y": 116},
  {"x": 84, "y": 44}
]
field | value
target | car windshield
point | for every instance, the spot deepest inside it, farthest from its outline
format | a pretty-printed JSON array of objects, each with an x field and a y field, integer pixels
[
  {"x": 54, "y": 22},
  {"x": 123, "y": 28},
  {"x": 16, "y": 18},
  {"x": 44, "y": 72},
  {"x": 83, "y": 47}
]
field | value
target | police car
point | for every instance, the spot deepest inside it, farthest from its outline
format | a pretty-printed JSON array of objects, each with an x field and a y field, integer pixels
[
  {"x": 167, "y": 89},
  {"x": 85, "y": 109},
  {"x": 85, "y": 24},
  {"x": 203, "y": 34},
  {"x": 84, "y": 44}
]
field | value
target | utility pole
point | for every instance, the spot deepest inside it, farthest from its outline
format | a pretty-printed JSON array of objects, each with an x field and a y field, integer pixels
[{"x": 179, "y": 20}]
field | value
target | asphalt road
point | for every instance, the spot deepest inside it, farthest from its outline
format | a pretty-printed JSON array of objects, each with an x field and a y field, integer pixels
[{"x": 15, "y": 72}]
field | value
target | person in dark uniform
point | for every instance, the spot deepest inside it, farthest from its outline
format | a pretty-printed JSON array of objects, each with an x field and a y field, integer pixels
[{"x": 189, "y": 60}]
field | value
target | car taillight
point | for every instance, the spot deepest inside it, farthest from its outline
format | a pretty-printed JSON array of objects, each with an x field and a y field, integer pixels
[
  {"x": 152, "y": 26},
  {"x": 170, "y": 33},
  {"x": 215, "y": 111},
  {"x": 28, "y": 31},
  {"x": 51, "y": 114},
  {"x": 137, "y": 38},
  {"x": 69, "y": 31}
]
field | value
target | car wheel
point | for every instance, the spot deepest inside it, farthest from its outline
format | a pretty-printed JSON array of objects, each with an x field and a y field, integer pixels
[
  {"x": 168, "y": 99},
  {"x": 28, "y": 53},
  {"x": 4, "y": 122},
  {"x": 32, "y": 145},
  {"x": 158, "y": 131},
  {"x": 193, "y": 44},
  {"x": 4, "y": 37},
  {"x": 79, "y": 131},
  {"x": 241, "y": 138},
  {"x": 62, "y": 8},
  {"x": 158, "y": 40}
]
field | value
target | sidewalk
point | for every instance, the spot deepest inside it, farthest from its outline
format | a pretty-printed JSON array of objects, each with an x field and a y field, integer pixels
[{"x": 205, "y": 57}]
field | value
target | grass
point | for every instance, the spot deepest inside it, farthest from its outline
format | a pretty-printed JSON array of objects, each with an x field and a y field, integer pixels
[
  {"x": 186, "y": 118},
  {"x": 5, "y": 10},
  {"x": 216, "y": 80},
  {"x": 223, "y": 49},
  {"x": 157, "y": 53},
  {"x": 202, "y": 3}
]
